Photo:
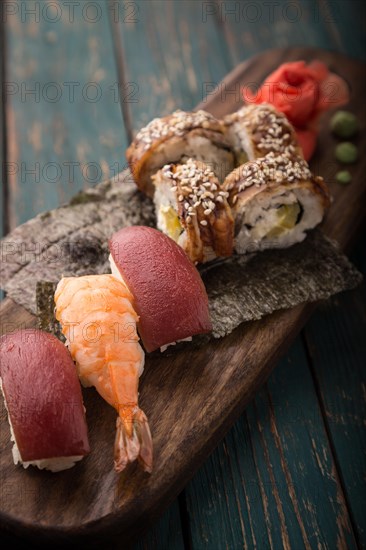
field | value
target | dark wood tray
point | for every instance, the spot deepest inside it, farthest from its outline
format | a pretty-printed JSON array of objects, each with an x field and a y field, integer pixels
[{"x": 191, "y": 396}]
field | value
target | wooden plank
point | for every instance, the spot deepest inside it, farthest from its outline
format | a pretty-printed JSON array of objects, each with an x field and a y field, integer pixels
[
  {"x": 180, "y": 59},
  {"x": 207, "y": 398},
  {"x": 346, "y": 23},
  {"x": 252, "y": 27},
  {"x": 166, "y": 534},
  {"x": 336, "y": 341},
  {"x": 64, "y": 123},
  {"x": 272, "y": 483}
]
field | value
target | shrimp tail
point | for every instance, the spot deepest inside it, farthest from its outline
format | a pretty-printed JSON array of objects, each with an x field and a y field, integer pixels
[{"x": 133, "y": 443}]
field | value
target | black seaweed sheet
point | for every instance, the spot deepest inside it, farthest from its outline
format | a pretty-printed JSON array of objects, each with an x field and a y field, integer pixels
[
  {"x": 246, "y": 288},
  {"x": 46, "y": 319},
  {"x": 73, "y": 240}
]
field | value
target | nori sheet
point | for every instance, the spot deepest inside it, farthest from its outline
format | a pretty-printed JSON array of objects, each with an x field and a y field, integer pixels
[
  {"x": 246, "y": 288},
  {"x": 46, "y": 319},
  {"x": 70, "y": 240},
  {"x": 73, "y": 240}
]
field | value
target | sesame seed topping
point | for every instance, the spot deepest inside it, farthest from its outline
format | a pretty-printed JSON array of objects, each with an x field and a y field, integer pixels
[
  {"x": 268, "y": 170},
  {"x": 269, "y": 129},
  {"x": 197, "y": 187},
  {"x": 175, "y": 125},
  {"x": 203, "y": 222}
]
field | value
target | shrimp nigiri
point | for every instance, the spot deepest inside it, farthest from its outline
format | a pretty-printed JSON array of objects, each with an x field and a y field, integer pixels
[{"x": 99, "y": 322}]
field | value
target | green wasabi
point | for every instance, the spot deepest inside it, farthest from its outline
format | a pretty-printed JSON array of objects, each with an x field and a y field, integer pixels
[
  {"x": 346, "y": 152},
  {"x": 344, "y": 177},
  {"x": 344, "y": 124}
]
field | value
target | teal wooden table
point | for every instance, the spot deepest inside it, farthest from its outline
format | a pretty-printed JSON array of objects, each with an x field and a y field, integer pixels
[{"x": 79, "y": 79}]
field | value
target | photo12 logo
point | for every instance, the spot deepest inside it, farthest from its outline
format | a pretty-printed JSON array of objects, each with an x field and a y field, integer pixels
[
  {"x": 267, "y": 12},
  {"x": 69, "y": 11},
  {"x": 72, "y": 171},
  {"x": 70, "y": 91}
]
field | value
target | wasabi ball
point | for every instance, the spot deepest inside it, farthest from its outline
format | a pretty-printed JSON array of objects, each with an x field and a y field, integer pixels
[
  {"x": 346, "y": 152},
  {"x": 344, "y": 124},
  {"x": 343, "y": 177}
]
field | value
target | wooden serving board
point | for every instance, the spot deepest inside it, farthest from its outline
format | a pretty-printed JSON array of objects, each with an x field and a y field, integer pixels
[{"x": 192, "y": 395}]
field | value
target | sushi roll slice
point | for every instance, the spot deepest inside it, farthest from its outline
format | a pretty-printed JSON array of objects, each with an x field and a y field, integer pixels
[
  {"x": 256, "y": 130},
  {"x": 192, "y": 209},
  {"x": 275, "y": 200},
  {"x": 43, "y": 398},
  {"x": 168, "y": 293},
  {"x": 175, "y": 138}
]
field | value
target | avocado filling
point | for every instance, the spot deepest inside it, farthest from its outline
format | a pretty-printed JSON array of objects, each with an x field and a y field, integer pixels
[
  {"x": 288, "y": 216},
  {"x": 171, "y": 222}
]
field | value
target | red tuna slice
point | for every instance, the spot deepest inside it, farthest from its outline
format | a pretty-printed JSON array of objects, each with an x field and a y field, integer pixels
[
  {"x": 169, "y": 295},
  {"x": 43, "y": 396}
]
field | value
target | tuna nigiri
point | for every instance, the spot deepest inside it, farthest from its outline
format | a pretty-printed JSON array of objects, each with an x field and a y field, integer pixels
[
  {"x": 99, "y": 322},
  {"x": 44, "y": 401},
  {"x": 168, "y": 293}
]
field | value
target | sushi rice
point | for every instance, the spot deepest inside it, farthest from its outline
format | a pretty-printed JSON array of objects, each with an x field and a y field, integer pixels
[{"x": 268, "y": 229}]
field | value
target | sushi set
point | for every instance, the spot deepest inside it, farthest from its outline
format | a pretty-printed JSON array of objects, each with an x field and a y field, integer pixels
[{"x": 212, "y": 226}]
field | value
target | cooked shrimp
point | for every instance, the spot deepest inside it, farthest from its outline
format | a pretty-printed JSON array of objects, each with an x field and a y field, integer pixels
[{"x": 99, "y": 322}]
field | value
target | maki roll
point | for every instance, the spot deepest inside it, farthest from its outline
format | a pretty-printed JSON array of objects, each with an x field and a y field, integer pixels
[
  {"x": 44, "y": 402},
  {"x": 175, "y": 138},
  {"x": 192, "y": 209},
  {"x": 255, "y": 130},
  {"x": 274, "y": 200},
  {"x": 168, "y": 293}
]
